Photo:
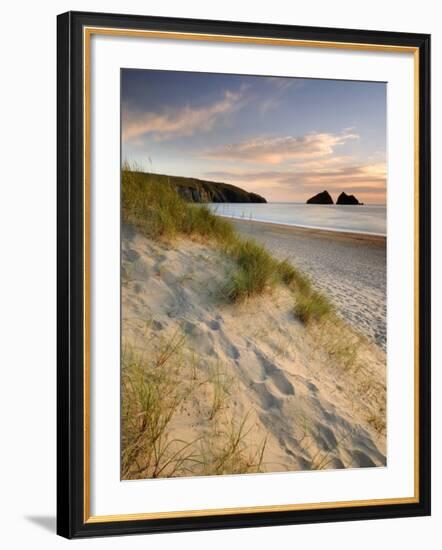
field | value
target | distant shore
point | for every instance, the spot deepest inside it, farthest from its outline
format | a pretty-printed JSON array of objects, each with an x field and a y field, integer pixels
[
  {"x": 322, "y": 232},
  {"x": 350, "y": 267},
  {"x": 361, "y": 219}
]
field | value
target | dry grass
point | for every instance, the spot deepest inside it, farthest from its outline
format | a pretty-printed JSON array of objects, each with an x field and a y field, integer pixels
[
  {"x": 378, "y": 421},
  {"x": 293, "y": 277},
  {"x": 227, "y": 450},
  {"x": 339, "y": 341},
  {"x": 312, "y": 306},
  {"x": 220, "y": 383},
  {"x": 157, "y": 386},
  {"x": 323, "y": 457},
  {"x": 150, "y": 399},
  {"x": 153, "y": 205},
  {"x": 256, "y": 270}
]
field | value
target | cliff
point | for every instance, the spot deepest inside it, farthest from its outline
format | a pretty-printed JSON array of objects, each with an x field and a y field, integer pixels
[{"x": 196, "y": 190}]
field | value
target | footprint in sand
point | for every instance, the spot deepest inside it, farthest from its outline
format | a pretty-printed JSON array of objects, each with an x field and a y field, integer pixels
[
  {"x": 201, "y": 338},
  {"x": 275, "y": 374},
  {"x": 213, "y": 324},
  {"x": 335, "y": 464},
  {"x": 312, "y": 387},
  {"x": 326, "y": 438},
  {"x": 361, "y": 460},
  {"x": 229, "y": 348},
  {"x": 129, "y": 255},
  {"x": 160, "y": 260},
  {"x": 268, "y": 400}
]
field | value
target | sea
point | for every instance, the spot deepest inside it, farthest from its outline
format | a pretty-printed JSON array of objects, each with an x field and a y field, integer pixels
[{"x": 367, "y": 219}]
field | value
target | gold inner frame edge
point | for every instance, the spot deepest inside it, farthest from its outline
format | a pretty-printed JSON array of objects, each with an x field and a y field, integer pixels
[{"x": 87, "y": 33}]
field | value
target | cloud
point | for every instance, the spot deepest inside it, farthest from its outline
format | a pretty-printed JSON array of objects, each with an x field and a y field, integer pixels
[
  {"x": 270, "y": 104},
  {"x": 298, "y": 167},
  {"x": 273, "y": 150},
  {"x": 284, "y": 82},
  {"x": 346, "y": 176},
  {"x": 368, "y": 180},
  {"x": 373, "y": 175},
  {"x": 277, "y": 93},
  {"x": 178, "y": 122}
]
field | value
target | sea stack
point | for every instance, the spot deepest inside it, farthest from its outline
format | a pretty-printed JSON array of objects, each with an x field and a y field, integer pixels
[
  {"x": 347, "y": 199},
  {"x": 321, "y": 198}
]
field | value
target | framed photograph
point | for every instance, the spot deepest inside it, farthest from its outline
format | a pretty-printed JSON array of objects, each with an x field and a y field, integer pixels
[{"x": 243, "y": 274}]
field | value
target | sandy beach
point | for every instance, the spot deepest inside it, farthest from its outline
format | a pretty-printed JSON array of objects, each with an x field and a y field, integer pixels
[
  {"x": 349, "y": 267},
  {"x": 252, "y": 347},
  {"x": 292, "y": 397}
]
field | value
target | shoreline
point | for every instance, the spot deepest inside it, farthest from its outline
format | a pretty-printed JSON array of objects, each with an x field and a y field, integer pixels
[
  {"x": 327, "y": 230},
  {"x": 302, "y": 230}
]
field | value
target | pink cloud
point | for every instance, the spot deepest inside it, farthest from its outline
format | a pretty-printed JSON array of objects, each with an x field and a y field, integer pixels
[
  {"x": 178, "y": 122},
  {"x": 274, "y": 150},
  {"x": 368, "y": 180}
]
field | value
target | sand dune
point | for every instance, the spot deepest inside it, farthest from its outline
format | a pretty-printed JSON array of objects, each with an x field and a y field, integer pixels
[{"x": 299, "y": 392}]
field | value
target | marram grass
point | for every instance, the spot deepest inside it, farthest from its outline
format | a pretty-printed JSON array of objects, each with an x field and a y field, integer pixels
[
  {"x": 153, "y": 205},
  {"x": 311, "y": 306},
  {"x": 154, "y": 393}
]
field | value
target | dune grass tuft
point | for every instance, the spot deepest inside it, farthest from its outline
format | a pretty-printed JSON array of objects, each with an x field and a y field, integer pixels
[
  {"x": 154, "y": 206},
  {"x": 157, "y": 385},
  {"x": 293, "y": 277},
  {"x": 150, "y": 399},
  {"x": 256, "y": 270},
  {"x": 311, "y": 306},
  {"x": 227, "y": 451}
]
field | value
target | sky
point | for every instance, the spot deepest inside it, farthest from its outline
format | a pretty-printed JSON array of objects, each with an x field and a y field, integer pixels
[{"x": 284, "y": 138}]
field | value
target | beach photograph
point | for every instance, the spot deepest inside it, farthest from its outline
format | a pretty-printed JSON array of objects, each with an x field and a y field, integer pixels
[{"x": 253, "y": 274}]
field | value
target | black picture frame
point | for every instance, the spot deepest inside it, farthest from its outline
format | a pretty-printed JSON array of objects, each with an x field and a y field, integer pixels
[{"x": 71, "y": 519}]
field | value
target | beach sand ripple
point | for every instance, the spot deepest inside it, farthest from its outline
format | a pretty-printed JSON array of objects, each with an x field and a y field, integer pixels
[
  {"x": 314, "y": 413},
  {"x": 349, "y": 268}
]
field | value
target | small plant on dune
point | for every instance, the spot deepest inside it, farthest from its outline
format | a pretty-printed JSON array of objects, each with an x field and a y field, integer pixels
[
  {"x": 293, "y": 277},
  {"x": 253, "y": 271},
  {"x": 340, "y": 342},
  {"x": 256, "y": 270},
  {"x": 378, "y": 422},
  {"x": 152, "y": 203},
  {"x": 220, "y": 389},
  {"x": 169, "y": 349},
  {"x": 344, "y": 350},
  {"x": 150, "y": 399},
  {"x": 156, "y": 388},
  {"x": 199, "y": 220},
  {"x": 312, "y": 306},
  {"x": 227, "y": 450}
]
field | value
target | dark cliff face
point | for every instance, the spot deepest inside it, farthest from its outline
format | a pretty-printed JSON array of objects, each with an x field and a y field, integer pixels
[
  {"x": 254, "y": 197},
  {"x": 321, "y": 198},
  {"x": 195, "y": 190},
  {"x": 348, "y": 199}
]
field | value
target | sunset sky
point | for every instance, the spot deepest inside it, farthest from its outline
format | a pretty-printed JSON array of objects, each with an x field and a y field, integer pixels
[{"x": 284, "y": 138}]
